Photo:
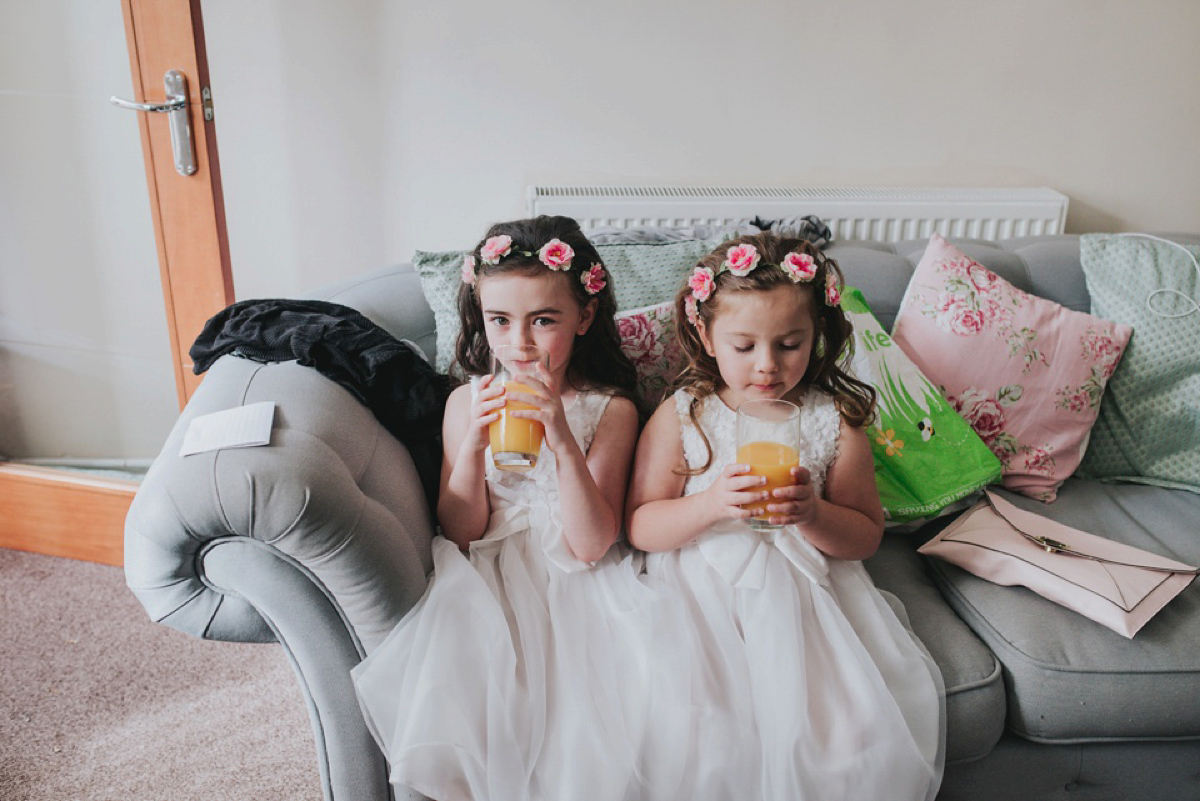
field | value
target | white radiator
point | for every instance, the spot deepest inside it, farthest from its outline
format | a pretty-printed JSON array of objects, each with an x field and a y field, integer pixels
[{"x": 886, "y": 215}]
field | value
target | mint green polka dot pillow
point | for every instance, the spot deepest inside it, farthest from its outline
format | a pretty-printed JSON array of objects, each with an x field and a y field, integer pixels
[
  {"x": 1148, "y": 430},
  {"x": 642, "y": 274}
]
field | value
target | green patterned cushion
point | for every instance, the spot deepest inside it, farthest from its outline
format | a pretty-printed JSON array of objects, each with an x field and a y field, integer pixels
[
  {"x": 642, "y": 274},
  {"x": 1148, "y": 430}
]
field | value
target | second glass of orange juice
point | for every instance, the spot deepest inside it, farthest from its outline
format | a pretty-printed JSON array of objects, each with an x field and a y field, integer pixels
[
  {"x": 768, "y": 439},
  {"x": 516, "y": 441}
]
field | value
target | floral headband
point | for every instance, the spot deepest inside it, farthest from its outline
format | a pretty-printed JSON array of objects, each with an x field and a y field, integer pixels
[
  {"x": 555, "y": 254},
  {"x": 740, "y": 260}
]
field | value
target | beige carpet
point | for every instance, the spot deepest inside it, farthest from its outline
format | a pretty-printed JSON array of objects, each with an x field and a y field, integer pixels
[{"x": 97, "y": 703}]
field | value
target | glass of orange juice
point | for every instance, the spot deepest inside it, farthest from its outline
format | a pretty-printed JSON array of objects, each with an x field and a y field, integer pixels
[
  {"x": 768, "y": 439},
  {"x": 516, "y": 441}
]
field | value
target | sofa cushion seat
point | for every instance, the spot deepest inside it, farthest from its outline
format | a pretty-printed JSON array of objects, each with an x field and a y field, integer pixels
[
  {"x": 974, "y": 688},
  {"x": 1069, "y": 679}
]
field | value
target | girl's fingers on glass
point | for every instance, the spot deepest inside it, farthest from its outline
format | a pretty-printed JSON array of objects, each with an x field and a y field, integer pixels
[
  {"x": 542, "y": 375},
  {"x": 527, "y": 397},
  {"x": 744, "y": 497},
  {"x": 486, "y": 406},
  {"x": 747, "y": 482}
]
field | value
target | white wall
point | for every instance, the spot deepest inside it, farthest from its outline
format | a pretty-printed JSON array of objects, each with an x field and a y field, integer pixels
[
  {"x": 354, "y": 132},
  {"x": 85, "y": 363},
  {"x": 1096, "y": 98},
  {"x": 426, "y": 121},
  {"x": 299, "y": 102}
]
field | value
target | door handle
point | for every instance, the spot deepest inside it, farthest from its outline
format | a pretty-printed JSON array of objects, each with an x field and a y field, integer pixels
[{"x": 175, "y": 108}]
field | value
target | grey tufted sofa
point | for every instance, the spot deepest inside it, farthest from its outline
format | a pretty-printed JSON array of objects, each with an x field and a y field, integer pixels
[{"x": 320, "y": 542}]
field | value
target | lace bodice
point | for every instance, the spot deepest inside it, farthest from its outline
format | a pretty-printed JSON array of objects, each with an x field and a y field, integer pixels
[
  {"x": 526, "y": 503},
  {"x": 819, "y": 427}
]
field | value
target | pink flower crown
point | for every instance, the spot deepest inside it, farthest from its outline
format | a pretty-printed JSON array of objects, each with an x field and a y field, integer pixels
[
  {"x": 555, "y": 254},
  {"x": 741, "y": 260}
]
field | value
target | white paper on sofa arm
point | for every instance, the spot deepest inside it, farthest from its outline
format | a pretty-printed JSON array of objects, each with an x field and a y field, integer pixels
[{"x": 240, "y": 427}]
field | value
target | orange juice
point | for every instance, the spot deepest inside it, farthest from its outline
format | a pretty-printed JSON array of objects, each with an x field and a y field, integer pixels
[
  {"x": 772, "y": 461},
  {"x": 515, "y": 440}
]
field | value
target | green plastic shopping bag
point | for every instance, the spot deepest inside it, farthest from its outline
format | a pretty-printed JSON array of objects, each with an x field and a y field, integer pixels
[{"x": 926, "y": 456}]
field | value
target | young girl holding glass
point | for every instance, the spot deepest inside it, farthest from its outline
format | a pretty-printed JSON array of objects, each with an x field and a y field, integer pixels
[
  {"x": 509, "y": 678},
  {"x": 781, "y": 671}
]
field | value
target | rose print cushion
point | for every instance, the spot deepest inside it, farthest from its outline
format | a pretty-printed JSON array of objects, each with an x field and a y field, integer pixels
[
  {"x": 1025, "y": 372},
  {"x": 648, "y": 339}
]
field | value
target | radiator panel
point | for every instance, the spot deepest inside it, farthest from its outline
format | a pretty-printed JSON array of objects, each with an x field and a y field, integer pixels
[{"x": 886, "y": 214}]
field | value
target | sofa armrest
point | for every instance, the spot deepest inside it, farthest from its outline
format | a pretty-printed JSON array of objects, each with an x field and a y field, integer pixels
[
  {"x": 320, "y": 540},
  {"x": 334, "y": 494}
]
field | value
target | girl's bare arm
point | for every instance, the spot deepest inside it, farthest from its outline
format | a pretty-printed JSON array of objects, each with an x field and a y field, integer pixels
[
  {"x": 847, "y": 523},
  {"x": 658, "y": 518},
  {"x": 463, "y": 507},
  {"x": 592, "y": 488}
]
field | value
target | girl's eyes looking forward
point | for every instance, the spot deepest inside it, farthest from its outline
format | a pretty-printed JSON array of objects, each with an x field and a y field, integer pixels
[
  {"x": 782, "y": 346},
  {"x": 501, "y": 321}
]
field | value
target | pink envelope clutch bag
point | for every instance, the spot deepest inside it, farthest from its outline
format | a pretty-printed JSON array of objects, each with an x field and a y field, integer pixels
[{"x": 1116, "y": 585}]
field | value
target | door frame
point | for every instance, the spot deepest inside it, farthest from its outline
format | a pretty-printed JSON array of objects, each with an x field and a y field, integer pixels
[{"x": 61, "y": 513}]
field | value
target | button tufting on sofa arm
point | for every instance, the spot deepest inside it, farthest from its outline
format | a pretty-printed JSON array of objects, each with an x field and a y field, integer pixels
[{"x": 333, "y": 494}]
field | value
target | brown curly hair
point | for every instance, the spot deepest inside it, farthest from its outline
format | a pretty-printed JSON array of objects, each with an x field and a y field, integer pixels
[
  {"x": 596, "y": 358},
  {"x": 833, "y": 342}
]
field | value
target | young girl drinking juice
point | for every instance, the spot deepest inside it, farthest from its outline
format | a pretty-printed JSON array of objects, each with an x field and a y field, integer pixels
[
  {"x": 508, "y": 679},
  {"x": 782, "y": 672}
]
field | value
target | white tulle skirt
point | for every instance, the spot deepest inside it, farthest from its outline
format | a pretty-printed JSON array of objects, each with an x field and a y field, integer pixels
[
  {"x": 779, "y": 674},
  {"x": 746, "y": 666},
  {"x": 513, "y": 678}
]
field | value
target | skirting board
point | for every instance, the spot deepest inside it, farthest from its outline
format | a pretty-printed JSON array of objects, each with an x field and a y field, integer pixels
[{"x": 59, "y": 513}]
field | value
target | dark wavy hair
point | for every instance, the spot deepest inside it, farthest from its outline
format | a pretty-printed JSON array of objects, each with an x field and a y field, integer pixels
[
  {"x": 596, "y": 358},
  {"x": 833, "y": 340}
]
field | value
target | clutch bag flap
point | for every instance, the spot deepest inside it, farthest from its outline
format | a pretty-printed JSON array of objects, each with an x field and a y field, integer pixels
[{"x": 1114, "y": 584}]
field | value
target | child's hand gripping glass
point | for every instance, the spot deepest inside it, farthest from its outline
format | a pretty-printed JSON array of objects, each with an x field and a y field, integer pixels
[
  {"x": 768, "y": 441},
  {"x": 516, "y": 436},
  {"x": 535, "y": 400}
]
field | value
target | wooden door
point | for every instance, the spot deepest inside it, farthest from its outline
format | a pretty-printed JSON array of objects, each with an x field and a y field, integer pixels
[
  {"x": 60, "y": 513},
  {"x": 189, "y": 213}
]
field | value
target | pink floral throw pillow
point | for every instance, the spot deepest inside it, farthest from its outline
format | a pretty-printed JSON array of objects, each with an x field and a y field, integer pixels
[
  {"x": 648, "y": 339},
  {"x": 1025, "y": 372}
]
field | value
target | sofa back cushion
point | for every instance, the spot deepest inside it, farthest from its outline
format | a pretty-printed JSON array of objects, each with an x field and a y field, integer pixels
[{"x": 1148, "y": 430}]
